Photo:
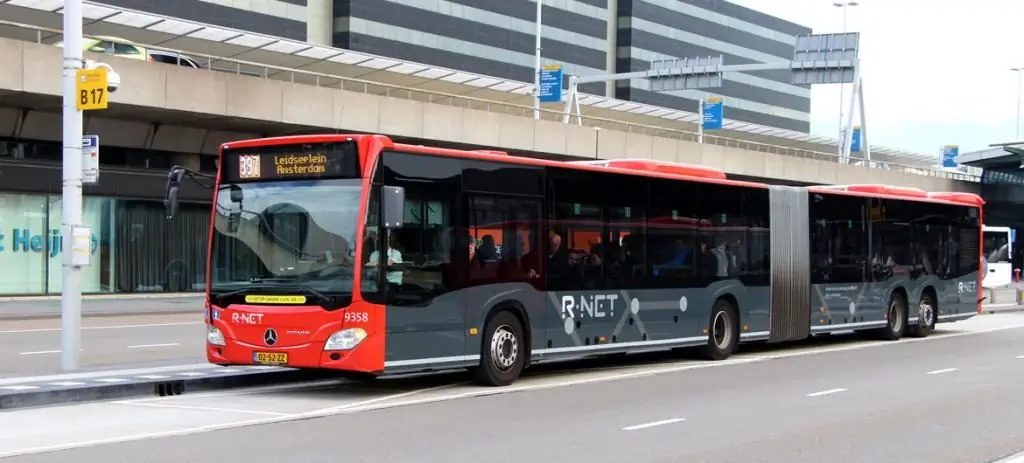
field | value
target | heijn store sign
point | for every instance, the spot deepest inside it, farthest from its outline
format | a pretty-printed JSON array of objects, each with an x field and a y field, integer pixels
[{"x": 26, "y": 240}]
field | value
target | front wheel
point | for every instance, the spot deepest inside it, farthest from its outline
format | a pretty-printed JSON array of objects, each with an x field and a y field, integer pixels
[
  {"x": 926, "y": 311},
  {"x": 723, "y": 337},
  {"x": 502, "y": 355}
]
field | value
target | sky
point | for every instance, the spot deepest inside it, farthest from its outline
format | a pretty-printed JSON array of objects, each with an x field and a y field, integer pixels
[{"x": 936, "y": 72}]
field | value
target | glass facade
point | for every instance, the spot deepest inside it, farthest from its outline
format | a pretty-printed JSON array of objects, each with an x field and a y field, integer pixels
[{"x": 134, "y": 247}]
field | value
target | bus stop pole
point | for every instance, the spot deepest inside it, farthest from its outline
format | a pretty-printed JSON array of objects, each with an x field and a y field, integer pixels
[{"x": 71, "y": 190}]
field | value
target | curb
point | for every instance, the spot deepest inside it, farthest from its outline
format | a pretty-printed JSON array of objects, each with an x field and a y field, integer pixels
[
  {"x": 997, "y": 310},
  {"x": 107, "y": 313},
  {"x": 157, "y": 388}
]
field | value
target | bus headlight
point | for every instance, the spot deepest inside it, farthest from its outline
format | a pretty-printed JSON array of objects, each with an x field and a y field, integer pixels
[
  {"x": 345, "y": 339},
  {"x": 214, "y": 336}
]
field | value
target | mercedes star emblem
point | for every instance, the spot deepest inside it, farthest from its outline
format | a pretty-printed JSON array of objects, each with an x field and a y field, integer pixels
[{"x": 270, "y": 337}]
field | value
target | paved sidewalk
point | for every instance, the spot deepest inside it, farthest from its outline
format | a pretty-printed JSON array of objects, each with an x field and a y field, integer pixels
[{"x": 103, "y": 305}]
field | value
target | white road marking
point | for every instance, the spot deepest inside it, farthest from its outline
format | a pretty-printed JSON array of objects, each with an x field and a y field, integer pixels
[
  {"x": 147, "y": 346},
  {"x": 152, "y": 376},
  {"x": 944, "y": 370},
  {"x": 828, "y": 392},
  {"x": 205, "y": 409},
  {"x": 1015, "y": 458},
  {"x": 67, "y": 383},
  {"x": 40, "y": 352},
  {"x": 110, "y": 380},
  {"x": 19, "y": 388},
  {"x": 653, "y": 424},
  {"x": 358, "y": 407},
  {"x": 364, "y": 403},
  {"x": 1020, "y": 356},
  {"x": 104, "y": 327}
]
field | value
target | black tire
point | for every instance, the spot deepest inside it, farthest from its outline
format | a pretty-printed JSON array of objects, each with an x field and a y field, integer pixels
[
  {"x": 927, "y": 310},
  {"x": 896, "y": 318},
  {"x": 502, "y": 352},
  {"x": 723, "y": 332}
]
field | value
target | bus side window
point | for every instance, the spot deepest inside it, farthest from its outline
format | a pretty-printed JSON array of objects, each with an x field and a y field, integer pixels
[{"x": 505, "y": 235}]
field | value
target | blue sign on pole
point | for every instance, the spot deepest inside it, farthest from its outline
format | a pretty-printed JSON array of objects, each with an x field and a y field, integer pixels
[
  {"x": 949, "y": 154},
  {"x": 714, "y": 113},
  {"x": 855, "y": 140},
  {"x": 551, "y": 83}
]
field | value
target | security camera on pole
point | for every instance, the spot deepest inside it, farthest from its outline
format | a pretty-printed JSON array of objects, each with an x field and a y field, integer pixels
[{"x": 87, "y": 85}]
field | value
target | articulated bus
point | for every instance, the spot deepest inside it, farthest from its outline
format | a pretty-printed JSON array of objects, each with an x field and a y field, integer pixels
[{"x": 357, "y": 254}]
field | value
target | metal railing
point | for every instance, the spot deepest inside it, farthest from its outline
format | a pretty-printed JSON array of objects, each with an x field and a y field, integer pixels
[{"x": 272, "y": 72}]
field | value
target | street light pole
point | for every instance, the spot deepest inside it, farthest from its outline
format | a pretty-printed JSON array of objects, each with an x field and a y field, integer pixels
[
  {"x": 1018, "y": 71},
  {"x": 71, "y": 189},
  {"x": 536, "y": 63},
  {"x": 845, "y": 6}
]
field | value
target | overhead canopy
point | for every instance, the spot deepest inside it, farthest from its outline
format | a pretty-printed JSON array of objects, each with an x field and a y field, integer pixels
[
  {"x": 996, "y": 157},
  {"x": 235, "y": 50}
]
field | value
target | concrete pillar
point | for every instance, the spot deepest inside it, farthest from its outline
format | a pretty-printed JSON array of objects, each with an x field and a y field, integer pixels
[
  {"x": 320, "y": 22},
  {"x": 612, "y": 54}
]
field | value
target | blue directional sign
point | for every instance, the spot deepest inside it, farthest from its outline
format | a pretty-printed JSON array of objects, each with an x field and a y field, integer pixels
[
  {"x": 714, "y": 113},
  {"x": 551, "y": 83},
  {"x": 949, "y": 154},
  {"x": 855, "y": 140}
]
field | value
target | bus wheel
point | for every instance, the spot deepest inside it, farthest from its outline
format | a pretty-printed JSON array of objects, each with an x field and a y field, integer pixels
[
  {"x": 926, "y": 310},
  {"x": 896, "y": 317},
  {"x": 722, "y": 337},
  {"x": 502, "y": 353}
]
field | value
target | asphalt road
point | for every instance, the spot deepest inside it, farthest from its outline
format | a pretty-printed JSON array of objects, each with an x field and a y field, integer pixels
[
  {"x": 32, "y": 347},
  {"x": 955, "y": 400}
]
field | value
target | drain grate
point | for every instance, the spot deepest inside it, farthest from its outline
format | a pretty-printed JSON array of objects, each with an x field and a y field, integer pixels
[{"x": 169, "y": 388}]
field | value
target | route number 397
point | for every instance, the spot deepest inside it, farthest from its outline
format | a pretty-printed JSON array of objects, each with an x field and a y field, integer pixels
[
  {"x": 249, "y": 166},
  {"x": 357, "y": 317}
]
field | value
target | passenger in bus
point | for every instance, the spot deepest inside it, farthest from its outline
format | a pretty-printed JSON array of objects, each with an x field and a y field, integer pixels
[
  {"x": 559, "y": 267},
  {"x": 487, "y": 251},
  {"x": 593, "y": 265},
  {"x": 394, "y": 257},
  {"x": 678, "y": 256},
  {"x": 708, "y": 259}
]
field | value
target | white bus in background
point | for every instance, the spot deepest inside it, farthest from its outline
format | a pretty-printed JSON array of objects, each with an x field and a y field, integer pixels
[{"x": 998, "y": 252}]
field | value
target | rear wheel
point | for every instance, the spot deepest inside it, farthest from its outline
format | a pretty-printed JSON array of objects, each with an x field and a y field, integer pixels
[
  {"x": 896, "y": 316},
  {"x": 502, "y": 355},
  {"x": 926, "y": 310},
  {"x": 723, "y": 337}
]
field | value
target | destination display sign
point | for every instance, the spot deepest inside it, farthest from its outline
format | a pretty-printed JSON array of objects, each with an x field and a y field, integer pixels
[{"x": 289, "y": 163}]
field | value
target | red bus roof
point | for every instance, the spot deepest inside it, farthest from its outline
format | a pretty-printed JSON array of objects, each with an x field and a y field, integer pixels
[
  {"x": 648, "y": 167},
  {"x": 969, "y": 199}
]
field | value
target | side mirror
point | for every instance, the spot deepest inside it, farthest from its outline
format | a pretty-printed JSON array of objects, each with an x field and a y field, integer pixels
[
  {"x": 171, "y": 190},
  {"x": 236, "y": 194},
  {"x": 393, "y": 206}
]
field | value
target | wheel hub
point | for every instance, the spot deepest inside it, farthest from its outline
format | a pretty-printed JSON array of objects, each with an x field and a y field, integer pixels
[
  {"x": 504, "y": 348},
  {"x": 926, "y": 314}
]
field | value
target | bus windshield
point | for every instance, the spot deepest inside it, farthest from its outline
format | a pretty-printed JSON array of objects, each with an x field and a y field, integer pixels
[{"x": 294, "y": 237}]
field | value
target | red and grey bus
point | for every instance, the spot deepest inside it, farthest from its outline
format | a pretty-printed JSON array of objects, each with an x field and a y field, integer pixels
[{"x": 369, "y": 257}]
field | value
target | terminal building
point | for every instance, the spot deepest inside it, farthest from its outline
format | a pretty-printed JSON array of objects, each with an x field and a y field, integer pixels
[{"x": 588, "y": 37}]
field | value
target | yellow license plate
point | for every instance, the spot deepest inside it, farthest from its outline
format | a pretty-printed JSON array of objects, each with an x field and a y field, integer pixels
[
  {"x": 274, "y": 299},
  {"x": 270, "y": 358}
]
